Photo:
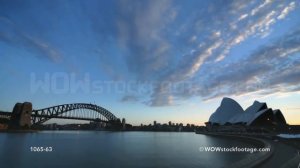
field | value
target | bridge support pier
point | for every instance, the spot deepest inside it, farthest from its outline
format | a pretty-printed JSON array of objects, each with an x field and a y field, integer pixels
[{"x": 21, "y": 115}]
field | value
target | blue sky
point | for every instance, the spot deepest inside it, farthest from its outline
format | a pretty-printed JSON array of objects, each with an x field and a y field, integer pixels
[{"x": 151, "y": 60}]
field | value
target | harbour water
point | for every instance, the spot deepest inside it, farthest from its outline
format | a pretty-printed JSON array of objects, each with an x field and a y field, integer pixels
[{"x": 83, "y": 149}]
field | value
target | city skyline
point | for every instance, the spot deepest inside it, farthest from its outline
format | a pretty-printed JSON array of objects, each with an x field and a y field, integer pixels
[{"x": 155, "y": 60}]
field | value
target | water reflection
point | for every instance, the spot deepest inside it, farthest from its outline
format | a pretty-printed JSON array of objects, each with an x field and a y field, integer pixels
[
  {"x": 114, "y": 149},
  {"x": 13, "y": 145}
]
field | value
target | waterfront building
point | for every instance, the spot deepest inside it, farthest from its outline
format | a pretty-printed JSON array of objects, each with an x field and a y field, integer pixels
[{"x": 258, "y": 114}]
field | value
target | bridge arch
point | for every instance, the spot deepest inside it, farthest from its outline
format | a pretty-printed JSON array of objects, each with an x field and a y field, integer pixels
[{"x": 42, "y": 115}]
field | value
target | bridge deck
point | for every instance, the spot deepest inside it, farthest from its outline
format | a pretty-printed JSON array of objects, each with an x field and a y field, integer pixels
[
  {"x": 72, "y": 118},
  {"x": 8, "y": 115},
  {"x": 5, "y": 114}
]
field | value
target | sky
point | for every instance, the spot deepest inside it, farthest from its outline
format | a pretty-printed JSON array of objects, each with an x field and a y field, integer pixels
[{"x": 163, "y": 60}]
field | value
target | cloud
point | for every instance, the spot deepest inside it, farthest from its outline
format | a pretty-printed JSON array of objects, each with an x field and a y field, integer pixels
[
  {"x": 161, "y": 100},
  {"x": 258, "y": 24},
  {"x": 287, "y": 10},
  {"x": 217, "y": 46},
  {"x": 140, "y": 26},
  {"x": 261, "y": 6},
  {"x": 164, "y": 41},
  {"x": 11, "y": 34},
  {"x": 243, "y": 17},
  {"x": 176, "y": 47},
  {"x": 271, "y": 67},
  {"x": 129, "y": 98}
]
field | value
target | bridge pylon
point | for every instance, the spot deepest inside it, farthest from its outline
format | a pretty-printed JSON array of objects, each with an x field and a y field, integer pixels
[{"x": 21, "y": 115}]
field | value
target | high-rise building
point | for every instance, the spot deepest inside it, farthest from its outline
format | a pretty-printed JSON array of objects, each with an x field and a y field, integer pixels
[{"x": 123, "y": 123}]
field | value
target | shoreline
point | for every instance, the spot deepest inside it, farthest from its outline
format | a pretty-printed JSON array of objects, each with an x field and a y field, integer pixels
[{"x": 19, "y": 131}]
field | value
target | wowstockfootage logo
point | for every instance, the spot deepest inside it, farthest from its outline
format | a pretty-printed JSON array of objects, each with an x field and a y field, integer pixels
[
  {"x": 62, "y": 83},
  {"x": 233, "y": 149}
]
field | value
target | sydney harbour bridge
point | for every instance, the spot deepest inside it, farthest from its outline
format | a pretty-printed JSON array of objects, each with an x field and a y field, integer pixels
[{"x": 24, "y": 116}]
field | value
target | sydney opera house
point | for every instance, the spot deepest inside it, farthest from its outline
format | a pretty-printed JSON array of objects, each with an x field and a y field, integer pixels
[{"x": 258, "y": 114}]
